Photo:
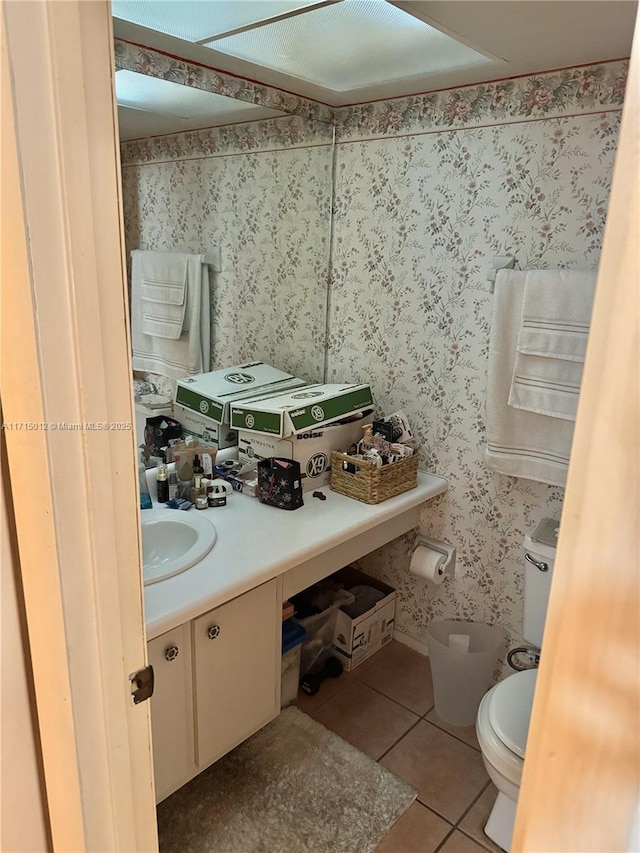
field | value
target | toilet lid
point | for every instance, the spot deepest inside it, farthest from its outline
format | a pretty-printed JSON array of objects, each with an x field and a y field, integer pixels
[{"x": 510, "y": 709}]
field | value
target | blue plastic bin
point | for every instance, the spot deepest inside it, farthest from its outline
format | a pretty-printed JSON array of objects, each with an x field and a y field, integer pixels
[{"x": 292, "y": 636}]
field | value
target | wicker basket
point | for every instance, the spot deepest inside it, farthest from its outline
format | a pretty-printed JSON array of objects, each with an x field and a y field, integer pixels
[{"x": 370, "y": 484}]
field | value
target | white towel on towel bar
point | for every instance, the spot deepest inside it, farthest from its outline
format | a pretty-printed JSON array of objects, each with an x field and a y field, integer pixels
[
  {"x": 155, "y": 310},
  {"x": 519, "y": 443},
  {"x": 162, "y": 281},
  {"x": 552, "y": 341}
]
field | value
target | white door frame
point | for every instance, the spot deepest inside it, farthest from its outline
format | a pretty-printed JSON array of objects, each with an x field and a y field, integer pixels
[
  {"x": 581, "y": 777},
  {"x": 65, "y": 361}
]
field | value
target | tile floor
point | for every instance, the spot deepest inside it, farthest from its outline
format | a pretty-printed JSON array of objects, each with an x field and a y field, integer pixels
[{"x": 385, "y": 708}]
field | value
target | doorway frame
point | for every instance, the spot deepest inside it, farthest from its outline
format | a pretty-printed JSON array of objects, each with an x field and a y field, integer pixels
[{"x": 70, "y": 430}]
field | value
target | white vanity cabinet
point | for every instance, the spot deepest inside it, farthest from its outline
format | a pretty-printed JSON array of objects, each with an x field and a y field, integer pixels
[
  {"x": 237, "y": 652},
  {"x": 172, "y": 710},
  {"x": 224, "y": 684},
  {"x": 217, "y": 680}
]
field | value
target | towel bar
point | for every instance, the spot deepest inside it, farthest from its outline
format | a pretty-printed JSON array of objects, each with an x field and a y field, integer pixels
[
  {"x": 503, "y": 262},
  {"x": 212, "y": 258}
]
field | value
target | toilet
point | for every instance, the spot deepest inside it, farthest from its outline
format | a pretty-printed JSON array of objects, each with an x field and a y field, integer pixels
[{"x": 503, "y": 717}]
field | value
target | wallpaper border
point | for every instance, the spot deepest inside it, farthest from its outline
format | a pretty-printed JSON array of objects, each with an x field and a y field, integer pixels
[
  {"x": 242, "y": 138},
  {"x": 584, "y": 89}
]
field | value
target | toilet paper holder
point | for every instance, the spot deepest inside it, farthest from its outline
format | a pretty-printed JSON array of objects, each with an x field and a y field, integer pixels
[{"x": 444, "y": 548}]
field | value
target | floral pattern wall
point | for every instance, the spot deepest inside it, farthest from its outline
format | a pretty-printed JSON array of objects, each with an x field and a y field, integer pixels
[
  {"x": 262, "y": 192},
  {"x": 428, "y": 190}
]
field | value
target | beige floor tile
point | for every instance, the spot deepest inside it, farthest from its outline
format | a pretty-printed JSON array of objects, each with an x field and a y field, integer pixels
[
  {"x": 419, "y": 830},
  {"x": 369, "y": 721},
  {"x": 331, "y": 686},
  {"x": 403, "y": 675},
  {"x": 474, "y": 821},
  {"x": 459, "y": 843},
  {"x": 465, "y": 733},
  {"x": 447, "y": 773}
]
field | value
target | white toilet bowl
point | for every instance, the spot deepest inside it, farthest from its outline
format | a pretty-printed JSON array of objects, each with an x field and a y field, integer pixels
[{"x": 502, "y": 726}]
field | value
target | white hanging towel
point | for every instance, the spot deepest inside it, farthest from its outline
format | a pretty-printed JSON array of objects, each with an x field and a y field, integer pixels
[
  {"x": 170, "y": 313},
  {"x": 519, "y": 443},
  {"x": 552, "y": 341}
]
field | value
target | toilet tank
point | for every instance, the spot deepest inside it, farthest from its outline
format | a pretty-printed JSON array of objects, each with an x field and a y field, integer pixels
[{"x": 539, "y": 558}]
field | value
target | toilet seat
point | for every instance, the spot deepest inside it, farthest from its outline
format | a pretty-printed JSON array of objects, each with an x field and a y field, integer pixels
[
  {"x": 503, "y": 723},
  {"x": 510, "y": 709}
]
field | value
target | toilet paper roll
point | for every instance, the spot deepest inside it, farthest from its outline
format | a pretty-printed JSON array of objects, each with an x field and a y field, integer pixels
[{"x": 428, "y": 564}]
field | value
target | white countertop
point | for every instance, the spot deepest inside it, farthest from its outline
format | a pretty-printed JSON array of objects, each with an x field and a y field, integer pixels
[{"x": 257, "y": 543}]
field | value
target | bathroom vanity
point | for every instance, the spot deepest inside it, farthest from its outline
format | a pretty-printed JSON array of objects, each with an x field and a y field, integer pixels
[{"x": 214, "y": 631}]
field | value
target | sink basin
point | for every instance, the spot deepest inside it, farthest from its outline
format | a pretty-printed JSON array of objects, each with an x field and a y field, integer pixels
[{"x": 173, "y": 541}]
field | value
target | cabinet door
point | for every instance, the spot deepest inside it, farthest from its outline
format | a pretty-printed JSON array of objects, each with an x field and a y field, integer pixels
[
  {"x": 237, "y": 670},
  {"x": 172, "y": 710}
]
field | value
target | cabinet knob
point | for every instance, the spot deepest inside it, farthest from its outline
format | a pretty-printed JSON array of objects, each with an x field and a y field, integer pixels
[
  {"x": 213, "y": 632},
  {"x": 171, "y": 653}
]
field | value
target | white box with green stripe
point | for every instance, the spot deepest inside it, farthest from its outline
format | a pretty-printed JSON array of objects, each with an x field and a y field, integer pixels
[
  {"x": 301, "y": 409},
  {"x": 203, "y": 402},
  {"x": 311, "y": 445}
]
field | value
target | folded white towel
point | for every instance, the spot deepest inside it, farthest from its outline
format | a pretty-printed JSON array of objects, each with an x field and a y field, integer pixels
[
  {"x": 552, "y": 341},
  {"x": 170, "y": 313},
  {"x": 548, "y": 386},
  {"x": 519, "y": 443}
]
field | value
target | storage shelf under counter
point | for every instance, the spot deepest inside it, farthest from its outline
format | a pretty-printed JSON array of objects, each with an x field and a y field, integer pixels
[{"x": 257, "y": 543}]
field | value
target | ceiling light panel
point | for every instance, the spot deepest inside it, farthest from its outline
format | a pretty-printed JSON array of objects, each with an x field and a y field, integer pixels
[
  {"x": 173, "y": 99},
  {"x": 350, "y": 45},
  {"x": 195, "y": 20}
]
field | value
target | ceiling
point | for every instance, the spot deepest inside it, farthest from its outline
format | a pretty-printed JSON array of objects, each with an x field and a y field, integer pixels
[{"x": 336, "y": 52}]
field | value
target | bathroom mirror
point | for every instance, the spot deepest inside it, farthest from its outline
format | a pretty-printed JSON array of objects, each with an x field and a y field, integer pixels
[{"x": 202, "y": 170}]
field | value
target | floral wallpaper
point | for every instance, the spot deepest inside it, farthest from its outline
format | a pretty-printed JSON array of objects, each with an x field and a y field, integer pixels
[
  {"x": 155, "y": 63},
  {"x": 269, "y": 210},
  {"x": 418, "y": 219}
]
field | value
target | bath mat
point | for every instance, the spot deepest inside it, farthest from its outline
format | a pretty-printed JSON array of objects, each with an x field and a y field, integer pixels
[{"x": 293, "y": 787}]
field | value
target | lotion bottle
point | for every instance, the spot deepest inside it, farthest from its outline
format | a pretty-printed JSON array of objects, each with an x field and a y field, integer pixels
[{"x": 163, "y": 484}]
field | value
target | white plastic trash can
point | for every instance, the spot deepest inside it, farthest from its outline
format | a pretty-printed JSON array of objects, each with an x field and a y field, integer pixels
[{"x": 461, "y": 676}]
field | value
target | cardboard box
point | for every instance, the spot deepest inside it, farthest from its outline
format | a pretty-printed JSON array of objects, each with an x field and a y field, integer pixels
[
  {"x": 200, "y": 426},
  {"x": 300, "y": 410},
  {"x": 203, "y": 402},
  {"x": 312, "y": 449},
  {"x": 355, "y": 640},
  {"x": 211, "y": 394}
]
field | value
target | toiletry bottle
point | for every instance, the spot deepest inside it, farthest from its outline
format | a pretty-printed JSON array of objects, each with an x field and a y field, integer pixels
[
  {"x": 207, "y": 464},
  {"x": 163, "y": 484},
  {"x": 173, "y": 485},
  {"x": 197, "y": 467},
  {"x": 145, "y": 497},
  {"x": 197, "y": 489}
]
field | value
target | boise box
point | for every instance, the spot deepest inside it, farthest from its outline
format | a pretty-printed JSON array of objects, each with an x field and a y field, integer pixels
[
  {"x": 356, "y": 639},
  {"x": 312, "y": 448},
  {"x": 300, "y": 410},
  {"x": 203, "y": 402},
  {"x": 203, "y": 427}
]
